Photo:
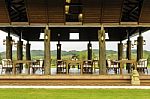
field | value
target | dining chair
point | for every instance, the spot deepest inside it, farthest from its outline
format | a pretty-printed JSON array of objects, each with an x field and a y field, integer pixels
[
  {"x": 95, "y": 65},
  {"x": 88, "y": 67},
  {"x": 142, "y": 65},
  {"x": 38, "y": 65},
  {"x": 7, "y": 65},
  {"x": 61, "y": 66},
  {"x": 112, "y": 65}
]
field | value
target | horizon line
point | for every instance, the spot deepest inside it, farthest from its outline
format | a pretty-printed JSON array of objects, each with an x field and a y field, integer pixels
[{"x": 73, "y": 50}]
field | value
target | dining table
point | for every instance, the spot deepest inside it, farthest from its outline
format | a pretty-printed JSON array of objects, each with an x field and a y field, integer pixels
[
  {"x": 125, "y": 61},
  {"x": 27, "y": 62},
  {"x": 74, "y": 62}
]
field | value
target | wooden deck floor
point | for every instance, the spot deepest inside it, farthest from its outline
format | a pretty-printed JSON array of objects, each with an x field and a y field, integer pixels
[
  {"x": 71, "y": 80},
  {"x": 66, "y": 80}
]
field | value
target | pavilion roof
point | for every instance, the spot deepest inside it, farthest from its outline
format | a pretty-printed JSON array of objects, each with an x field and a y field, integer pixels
[{"x": 119, "y": 17}]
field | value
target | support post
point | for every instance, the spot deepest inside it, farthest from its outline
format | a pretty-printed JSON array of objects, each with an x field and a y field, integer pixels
[
  {"x": 20, "y": 53},
  {"x": 139, "y": 47},
  {"x": 102, "y": 51},
  {"x": 47, "y": 58},
  {"x": 128, "y": 55},
  {"x": 120, "y": 50},
  {"x": 58, "y": 51},
  {"x": 19, "y": 50},
  {"x": 28, "y": 54},
  {"x": 89, "y": 51},
  {"x": 128, "y": 50},
  {"x": 9, "y": 47}
]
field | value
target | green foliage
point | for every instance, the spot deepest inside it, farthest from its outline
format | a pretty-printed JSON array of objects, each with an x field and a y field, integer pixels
[
  {"x": 82, "y": 55},
  {"x": 110, "y": 54},
  {"x": 0, "y": 58},
  {"x": 39, "y": 54},
  {"x": 148, "y": 59}
]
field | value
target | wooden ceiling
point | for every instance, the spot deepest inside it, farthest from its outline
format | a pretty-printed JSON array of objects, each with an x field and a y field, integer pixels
[
  {"x": 99, "y": 11},
  {"x": 4, "y": 17},
  {"x": 145, "y": 13},
  {"x": 84, "y": 16},
  {"x": 45, "y": 11}
]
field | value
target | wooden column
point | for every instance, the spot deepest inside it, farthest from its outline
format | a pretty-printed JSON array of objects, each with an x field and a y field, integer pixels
[
  {"x": 128, "y": 55},
  {"x": 19, "y": 50},
  {"x": 120, "y": 51},
  {"x": 9, "y": 47},
  {"x": 139, "y": 47},
  {"x": 28, "y": 55},
  {"x": 89, "y": 51},
  {"x": 20, "y": 53},
  {"x": 47, "y": 56},
  {"x": 102, "y": 51},
  {"x": 58, "y": 51}
]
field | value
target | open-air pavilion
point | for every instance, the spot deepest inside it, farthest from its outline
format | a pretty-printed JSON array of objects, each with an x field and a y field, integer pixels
[{"x": 90, "y": 19}]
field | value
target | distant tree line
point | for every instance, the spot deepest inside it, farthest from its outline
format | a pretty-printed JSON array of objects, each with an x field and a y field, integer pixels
[{"x": 82, "y": 55}]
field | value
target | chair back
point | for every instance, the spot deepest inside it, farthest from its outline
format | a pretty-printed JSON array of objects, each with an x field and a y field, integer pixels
[
  {"x": 61, "y": 63},
  {"x": 95, "y": 62},
  {"x": 6, "y": 63},
  {"x": 87, "y": 63},
  {"x": 142, "y": 63},
  {"x": 112, "y": 64},
  {"x": 41, "y": 62},
  {"x": 108, "y": 62}
]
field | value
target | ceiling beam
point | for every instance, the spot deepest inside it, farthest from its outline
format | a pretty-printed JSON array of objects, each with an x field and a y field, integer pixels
[
  {"x": 141, "y": 4},
  {"x": 77, "y": 24}
]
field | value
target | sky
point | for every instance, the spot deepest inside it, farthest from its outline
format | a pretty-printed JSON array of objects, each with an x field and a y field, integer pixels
[{"x": 67, "y": 46}]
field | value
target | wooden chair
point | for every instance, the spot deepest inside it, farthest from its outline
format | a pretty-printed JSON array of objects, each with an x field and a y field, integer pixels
[
  {"x": 74, "y": 58},
  {"x": 142, "y": 65},
  {"x": 7, "y": 65},
  {"x": 88, "y": 67},
  {"x": 61, "y": 67},
  {"x": 95, "y": 65},
  {"x": 38, "y": 65},
  {"x": 112, "y": 65}
]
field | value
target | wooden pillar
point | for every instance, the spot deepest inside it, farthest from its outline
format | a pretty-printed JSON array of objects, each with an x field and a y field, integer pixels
[
  {"x": 47, "y": 56},
  {"x": 120, "y": 51},
  {"x": 102, "y": 51},
  {"x": 9, "y": 47},
  {"x": 139, "y": 47},
  {"x": 89, "y": 51},
  {"x": 58, "y": 51},
  {"x": 128, "y": 55},
  {"x": 19, "y": 50},
  {"x": 28, "y": 55},
  {"x": 20, "y": 53}
]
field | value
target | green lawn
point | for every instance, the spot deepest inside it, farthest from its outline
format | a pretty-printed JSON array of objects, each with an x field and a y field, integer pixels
[{"x": 74, "y": 94}]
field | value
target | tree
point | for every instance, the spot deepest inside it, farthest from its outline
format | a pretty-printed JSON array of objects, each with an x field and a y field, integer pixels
[
  {"x": 0, "y": 59},
  {"x": 83, "y": 55},
  {"x": 148, "y": 60}
]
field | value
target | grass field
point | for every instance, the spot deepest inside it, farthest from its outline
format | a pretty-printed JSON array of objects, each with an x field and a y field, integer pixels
[{"x": 74, "y": 94}]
